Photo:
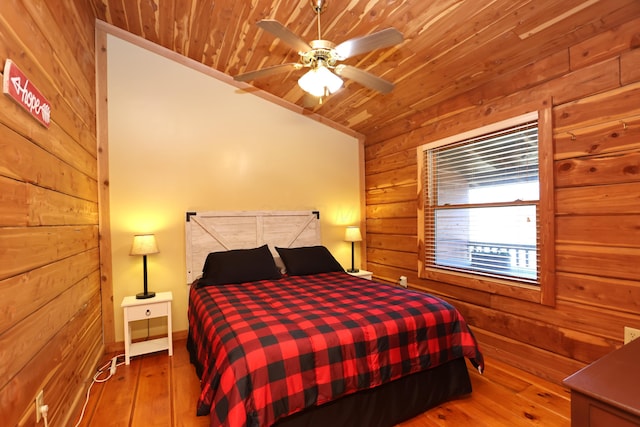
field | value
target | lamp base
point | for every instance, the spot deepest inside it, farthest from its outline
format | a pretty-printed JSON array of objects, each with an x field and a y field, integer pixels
[
  {"x": 352, "y": 270},
  {"x": 145, "y": 295}
]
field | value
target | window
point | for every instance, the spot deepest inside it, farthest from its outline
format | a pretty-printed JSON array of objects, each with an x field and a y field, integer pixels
[{"x": 484, "y": 208}]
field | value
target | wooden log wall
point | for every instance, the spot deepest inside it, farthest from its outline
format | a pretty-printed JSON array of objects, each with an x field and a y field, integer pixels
[
  {"x": 595, "y": 90},
  {"x": 50, "y": 304}
]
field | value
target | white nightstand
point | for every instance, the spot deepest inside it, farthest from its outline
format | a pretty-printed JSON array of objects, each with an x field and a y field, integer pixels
[
  {"x": 363, "y": 273},
  {"x": 141, "y": 309}
]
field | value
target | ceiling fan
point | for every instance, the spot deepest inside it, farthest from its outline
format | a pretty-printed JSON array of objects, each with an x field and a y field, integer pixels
[{"x": 322, "y": 57}]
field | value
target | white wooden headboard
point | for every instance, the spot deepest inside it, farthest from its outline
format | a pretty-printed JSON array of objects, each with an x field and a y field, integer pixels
[{"x": 214, "y": 231}]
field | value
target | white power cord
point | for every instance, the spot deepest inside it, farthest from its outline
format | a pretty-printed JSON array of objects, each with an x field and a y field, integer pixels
[
  {"x": 44, "y": 411},
  {"x": 112, "y": 364}
]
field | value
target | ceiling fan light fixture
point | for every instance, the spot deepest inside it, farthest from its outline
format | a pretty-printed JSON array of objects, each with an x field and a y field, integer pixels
[
  {"x": 320, "y": 80},
  {"x": 322, "y": 57}
]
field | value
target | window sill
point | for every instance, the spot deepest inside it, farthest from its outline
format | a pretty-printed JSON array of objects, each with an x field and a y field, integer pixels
[{"x": 492, "y": 285}]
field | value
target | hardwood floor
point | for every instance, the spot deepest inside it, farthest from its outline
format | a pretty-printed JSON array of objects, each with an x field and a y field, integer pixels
[{"x": 158, "y": 390}]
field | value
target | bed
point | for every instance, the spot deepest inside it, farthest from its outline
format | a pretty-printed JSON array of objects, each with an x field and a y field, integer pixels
[{"x": 314, "y": 346}]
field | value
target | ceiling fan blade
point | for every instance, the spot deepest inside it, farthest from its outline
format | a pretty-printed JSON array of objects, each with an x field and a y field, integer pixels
[
  {"x": 365, "y": 78},
  {"x": 284, "y": 34},
  {"x": 264, "y": 72},
  {"x": 378, "y": 40}
]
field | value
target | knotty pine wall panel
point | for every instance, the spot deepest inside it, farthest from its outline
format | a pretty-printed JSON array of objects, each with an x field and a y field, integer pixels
[
  {"x": 392, "y": 210},
  {"x": 391, "y": 194},
  {"x": 50, "y": 302},
  {"x": 399, "y": 177},
  {"x": 618, "y": 104},
  {"x": 535, "y": 331},
  {"x": 615, "y": 295},
  {"x": 604, "y": 230},
  {"x": 594, "y": 92},
  {"x": 606, "y": 261},
  {"x": 402, "y": 260},
  {"x": 51, "y": 207},
  {"x": 393, "y": 226},
  {"x": 607, "y": 45},
  {"x": 397, "y": 160},
  {"x": 630, "y": 67},
  {"x": 12, "y": 208},
  {"x": 604, "y": 169},
  {"x": 598, "y": 200},
  {"x": 27, "y": 292},
  {"x": 527, "y": 88},
  {"x": 395, "y": 242},
  {"x": 608, "y": 137},
  {"x": 27, "y": 248},
  {"x": 48, "y": 165},
  {"x": 54, "y": 141}
]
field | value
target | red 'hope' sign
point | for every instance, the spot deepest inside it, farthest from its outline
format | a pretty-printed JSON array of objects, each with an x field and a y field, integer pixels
[{"x": 17, "y": 86}]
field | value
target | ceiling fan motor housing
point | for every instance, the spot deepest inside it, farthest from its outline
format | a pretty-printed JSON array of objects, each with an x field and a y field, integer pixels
[{"x": 322, "y": 52}]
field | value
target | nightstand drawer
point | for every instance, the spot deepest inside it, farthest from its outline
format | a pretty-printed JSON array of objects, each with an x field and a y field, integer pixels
[{"x": 148, "y": 311}]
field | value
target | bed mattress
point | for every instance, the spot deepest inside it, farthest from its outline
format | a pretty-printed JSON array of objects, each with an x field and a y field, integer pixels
[{"x": 268, "y": 349}]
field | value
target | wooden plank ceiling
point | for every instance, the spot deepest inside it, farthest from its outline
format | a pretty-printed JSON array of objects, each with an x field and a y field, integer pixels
[{"x": 450, "y": 46}]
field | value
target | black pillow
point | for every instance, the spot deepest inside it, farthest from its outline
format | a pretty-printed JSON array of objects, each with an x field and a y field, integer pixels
[
  {"x": 239, "y": 266},
  {"x": 308, "y": 260}
]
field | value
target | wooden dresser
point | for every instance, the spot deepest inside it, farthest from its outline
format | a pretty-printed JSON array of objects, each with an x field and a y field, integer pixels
[{"x": 607, "y": 392}]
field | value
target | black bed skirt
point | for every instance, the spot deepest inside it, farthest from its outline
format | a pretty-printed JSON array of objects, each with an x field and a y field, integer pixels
[
  {"x": 390, "y": 403},
  {"x": 383, "y": 406}
]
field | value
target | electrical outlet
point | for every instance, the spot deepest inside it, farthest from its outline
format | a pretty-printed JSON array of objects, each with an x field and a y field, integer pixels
[
  {"x": 39, "y": 403},
  {"x": 403, "y": 281},
  {"x": 630, "y": 334}
]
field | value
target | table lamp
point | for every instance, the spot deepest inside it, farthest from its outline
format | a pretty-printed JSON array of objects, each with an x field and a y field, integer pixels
[
  {"x": 352, "y": 234},
  {"x": 144, "y": 244}
]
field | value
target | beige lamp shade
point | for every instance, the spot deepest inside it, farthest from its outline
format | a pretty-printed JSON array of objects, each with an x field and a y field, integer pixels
[
  {"x": 352, "y": 234},
  {"x": 144, "y": 244}
]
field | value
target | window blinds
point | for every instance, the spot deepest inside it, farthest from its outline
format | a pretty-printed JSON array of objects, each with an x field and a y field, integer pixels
[{"x": 482, "y": 199}]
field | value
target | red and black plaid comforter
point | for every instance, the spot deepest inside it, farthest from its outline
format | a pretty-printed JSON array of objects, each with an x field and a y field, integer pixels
[{"x": 271, "y": 348}]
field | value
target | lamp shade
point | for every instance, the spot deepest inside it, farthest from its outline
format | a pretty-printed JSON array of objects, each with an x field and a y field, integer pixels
[
  {"x": 144, "y": 244},
  {"x": 352, "y": 234},
  {"x": 319, "y": 80}
]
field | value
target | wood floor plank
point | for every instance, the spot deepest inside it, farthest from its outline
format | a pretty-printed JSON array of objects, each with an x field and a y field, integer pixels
[
  {"x": 513, "y": 375},
  {"x": 502, "y": 397},
  {"x": 455, "y": 413},
  {"x": 185, "y": 391},
  {"x": 108, "y": 405},
  {"x": 158, "y": 390},
  {"x": 83, "y": 419},
  {"x": 513, "y": 410},
  {"x": 120, "y": 405},
  {"x": 549, "y": 400},
  {"x": 153, "y": 398}
]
